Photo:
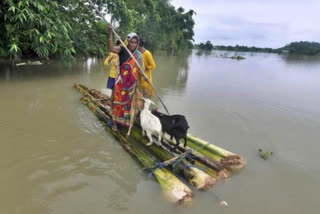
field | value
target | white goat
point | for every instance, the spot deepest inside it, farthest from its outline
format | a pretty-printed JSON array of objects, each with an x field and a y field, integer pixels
[{"x": 150, "y": 123}]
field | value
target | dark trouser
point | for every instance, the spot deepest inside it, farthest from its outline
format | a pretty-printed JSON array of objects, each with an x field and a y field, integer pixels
[{"x": 110, "y": 83}]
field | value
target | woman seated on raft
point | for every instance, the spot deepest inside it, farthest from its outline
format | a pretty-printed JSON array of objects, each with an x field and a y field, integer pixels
[{"x": 126, "y": 81}]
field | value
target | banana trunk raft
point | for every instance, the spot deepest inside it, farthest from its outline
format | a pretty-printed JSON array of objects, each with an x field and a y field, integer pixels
[{"x": 200, "y": 165}]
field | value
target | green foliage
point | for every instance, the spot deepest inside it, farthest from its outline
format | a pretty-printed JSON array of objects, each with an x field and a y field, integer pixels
[
  {"x": 160, "y": 24},
  {"x": 304, "y": 48},
  {"x": 265, "y": 155},
  {"x": 65, "y": 29},
  {"x": 246, "y": 48},
  {"x": 207, "y": 46},
  {"x": 307, "y": 48},
  {"x": 34, "y": 28}
]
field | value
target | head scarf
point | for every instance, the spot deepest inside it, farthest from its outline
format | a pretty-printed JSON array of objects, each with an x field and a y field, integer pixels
[{"x": 132, "y": 35}]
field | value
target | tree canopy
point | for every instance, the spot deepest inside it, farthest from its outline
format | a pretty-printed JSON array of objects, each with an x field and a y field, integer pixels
[
  {"x": 205, "y": 46},
  {"x": 65, "y": 29},
  {"x": 303, "y": 47}
]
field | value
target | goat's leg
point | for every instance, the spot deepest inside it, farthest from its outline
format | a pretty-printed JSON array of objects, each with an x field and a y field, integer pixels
[
  {"x": 185, "y": 141},
  {"x": 143, "y": 133},
  {"x": 177, "y": 143},
  {"x": 150, "y": 139},
  {"x": 160, "y": 138},
  {"x": 132, "y": 118}
]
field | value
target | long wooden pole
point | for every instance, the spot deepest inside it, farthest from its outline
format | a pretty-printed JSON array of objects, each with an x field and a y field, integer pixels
[{"x": 140, "y": 68}]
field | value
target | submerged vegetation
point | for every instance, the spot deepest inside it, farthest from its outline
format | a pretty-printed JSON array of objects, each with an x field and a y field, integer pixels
[
  {"x": 302, "y": 47},
  {"x": 265, "y": 155},
  {"x": 70, "y": 28}
]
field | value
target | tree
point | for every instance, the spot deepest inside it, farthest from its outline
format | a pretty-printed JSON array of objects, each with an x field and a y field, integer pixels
[
  {"x": 207, "y": 46},
  {"x": 303, "y": 47},
  {"x": 65, "y": 29}
]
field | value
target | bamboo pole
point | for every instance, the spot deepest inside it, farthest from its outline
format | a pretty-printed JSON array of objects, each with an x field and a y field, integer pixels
[
  {"x": 225, "y": 158},
  {"x": 210, "y": 167}
]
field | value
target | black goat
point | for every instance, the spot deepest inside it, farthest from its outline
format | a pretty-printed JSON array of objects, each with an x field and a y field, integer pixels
[{"x": 174, "y": 125}]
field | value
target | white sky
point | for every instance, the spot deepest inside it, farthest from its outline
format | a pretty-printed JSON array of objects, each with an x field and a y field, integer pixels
[{"x": 260, "y": 23}]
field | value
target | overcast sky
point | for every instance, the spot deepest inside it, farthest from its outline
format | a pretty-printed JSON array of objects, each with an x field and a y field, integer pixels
[{"x": 260, "y": 23}]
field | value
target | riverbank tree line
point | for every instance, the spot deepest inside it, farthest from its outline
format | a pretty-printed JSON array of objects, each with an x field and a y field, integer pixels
[
  {"x": 302, "y": 47},
  {"x": 66, "y": 29}
]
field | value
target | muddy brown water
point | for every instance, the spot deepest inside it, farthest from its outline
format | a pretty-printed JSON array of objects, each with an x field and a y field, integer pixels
[{"x": 55, "y": 156}]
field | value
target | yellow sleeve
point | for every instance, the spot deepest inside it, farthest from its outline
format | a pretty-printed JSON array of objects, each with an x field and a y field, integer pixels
[
  {"x": 106, "y": 62},
  {"x": 151, "y": 64}
]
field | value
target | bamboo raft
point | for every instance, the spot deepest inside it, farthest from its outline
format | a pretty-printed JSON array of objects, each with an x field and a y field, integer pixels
[{"x": 200, "y": 164}]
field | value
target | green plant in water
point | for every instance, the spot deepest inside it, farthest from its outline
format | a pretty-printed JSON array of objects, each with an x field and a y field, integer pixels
[{"x": 265, "y": 155}]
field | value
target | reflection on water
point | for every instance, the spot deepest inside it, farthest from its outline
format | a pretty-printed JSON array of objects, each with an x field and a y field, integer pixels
[
  {"x": 171, "y": 74},
  {"x": 89, "y": 64},
  {"x": 203, "y": 53},
  {"x": 50, "y": 69},
  {"x": 301, "y": 60},
  {"x": 56, "y": 157}
]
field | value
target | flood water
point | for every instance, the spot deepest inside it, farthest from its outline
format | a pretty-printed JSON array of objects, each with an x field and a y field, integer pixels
[{"x": 55, "y": 156}]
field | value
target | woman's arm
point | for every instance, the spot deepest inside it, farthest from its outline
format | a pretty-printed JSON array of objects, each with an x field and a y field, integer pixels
[{"x": 114, "y": 49}]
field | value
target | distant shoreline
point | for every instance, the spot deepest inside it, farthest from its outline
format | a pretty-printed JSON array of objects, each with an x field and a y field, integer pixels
[{"x": 301, "y": 48}]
